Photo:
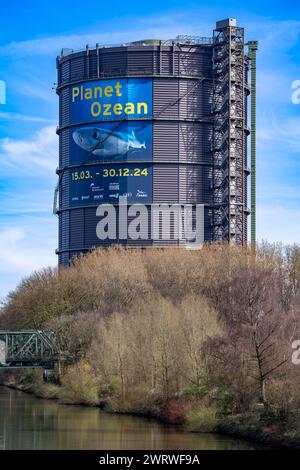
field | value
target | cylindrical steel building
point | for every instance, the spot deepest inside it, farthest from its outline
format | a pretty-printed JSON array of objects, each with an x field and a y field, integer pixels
[{"x": 160, "y": 122}]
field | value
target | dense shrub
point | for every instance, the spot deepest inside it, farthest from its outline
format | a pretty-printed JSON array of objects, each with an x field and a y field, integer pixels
[
  {"x": 79, "y": 386},
  {"x": 205, "y": 419},
  {"x": 175, "y": 411}
]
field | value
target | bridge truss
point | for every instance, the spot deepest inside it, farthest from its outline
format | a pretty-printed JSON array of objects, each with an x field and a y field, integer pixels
[{"x": 28, "y": 349}]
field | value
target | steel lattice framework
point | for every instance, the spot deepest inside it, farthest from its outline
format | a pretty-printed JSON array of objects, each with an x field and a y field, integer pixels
[
  {"x": 253, "y": 46},
  {"x": 229, "y": 135},
  {"x": 30, "y": 348}
]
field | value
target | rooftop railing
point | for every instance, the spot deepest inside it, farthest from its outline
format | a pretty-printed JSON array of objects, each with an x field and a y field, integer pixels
[{"x": 179, "y": 40}]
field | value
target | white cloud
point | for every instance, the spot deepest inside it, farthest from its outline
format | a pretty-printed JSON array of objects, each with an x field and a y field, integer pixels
[
  {"x": 277, "y": 129},
  {"x": 37, "y": 202},
  {"x": 284, "y": 192},
  {"x": 273, "y": 89},
  {"x": 27, "y": 228},
  {"x": 31, "y": 155},
  {"x": 54, "y": 44},
  {"x": 278, "y": 223},
  {"x": 7, "y": 116},
  {"x": 276, "y": 35},
  {"x": 282, "y": 33},
  {"x": 33, "y": 89},
  {"x": 25, "y": 247}
]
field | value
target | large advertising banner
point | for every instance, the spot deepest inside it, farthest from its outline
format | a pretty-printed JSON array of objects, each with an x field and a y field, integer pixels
[
  {"x": 111, "y": 142},
  {"x": 102, "y": 184},
  {"x": 113, "y": 99}
]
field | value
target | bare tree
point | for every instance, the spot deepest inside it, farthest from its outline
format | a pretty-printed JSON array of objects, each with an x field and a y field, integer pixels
[{"x": 254, "y": 319}]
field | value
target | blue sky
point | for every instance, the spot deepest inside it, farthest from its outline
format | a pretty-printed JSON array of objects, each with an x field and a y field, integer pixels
[{"x": 32, "y": 34}]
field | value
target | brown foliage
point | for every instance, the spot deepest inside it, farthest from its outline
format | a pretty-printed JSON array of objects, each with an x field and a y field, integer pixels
[
  {"x": 176, "y": 410},
  {"x": 160, "y": 323}
]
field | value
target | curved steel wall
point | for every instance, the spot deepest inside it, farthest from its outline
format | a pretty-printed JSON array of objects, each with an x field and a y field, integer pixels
[{"x": 181, "y": 122}]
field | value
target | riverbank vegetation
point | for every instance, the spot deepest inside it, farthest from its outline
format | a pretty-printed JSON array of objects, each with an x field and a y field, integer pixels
[{"x": 201, "y": 338}]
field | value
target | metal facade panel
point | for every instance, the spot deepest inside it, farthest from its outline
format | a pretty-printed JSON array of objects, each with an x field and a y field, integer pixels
[
  {"x": 64, "y": 190},
  {"x": 64, "y": 148},
  {"x": 195, "y": 184},
  {"x": 93, "y": 64},
  {"x": 64, "y": 114},
  {"x": 64, "y": 258},
  {"x": 194, "y": 61},
  {"x": 165, "y": 98},
  {"x": 165, "y": 141},
  {"x": 77, "y": 64},
  {"x": 191, "y": 99},
  {"x": 140, "y": 62},
  {"x": 166, "y": 62},
  {"x": 64, "y": 231},
  {"x": 77, "y": 224},
  {"x": 65, "y": 72},
  {"x": 113, "y": 62},
  {"x": 207, "y": 92},
  {"x": 165, "y": 183},
  {"x": 90, "y": 223},
  {"x": 191, "y": 145}
]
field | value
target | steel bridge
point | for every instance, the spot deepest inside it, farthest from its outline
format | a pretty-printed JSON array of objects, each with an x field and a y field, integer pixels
[{"x": 28, "y": 349}]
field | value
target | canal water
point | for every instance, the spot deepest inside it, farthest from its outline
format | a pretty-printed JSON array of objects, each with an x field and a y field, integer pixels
[{"x": 27, "y": 422}]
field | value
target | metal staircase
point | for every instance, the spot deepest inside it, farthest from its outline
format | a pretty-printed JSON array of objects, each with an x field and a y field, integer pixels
[{"x": 229, "y": 135}]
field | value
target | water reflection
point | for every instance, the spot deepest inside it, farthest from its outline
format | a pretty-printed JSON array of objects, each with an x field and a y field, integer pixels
[{"x": 27, "y": 422}]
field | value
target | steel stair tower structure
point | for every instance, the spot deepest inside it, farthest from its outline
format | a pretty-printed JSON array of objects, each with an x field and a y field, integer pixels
[{"x": 230, "y": 68}]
